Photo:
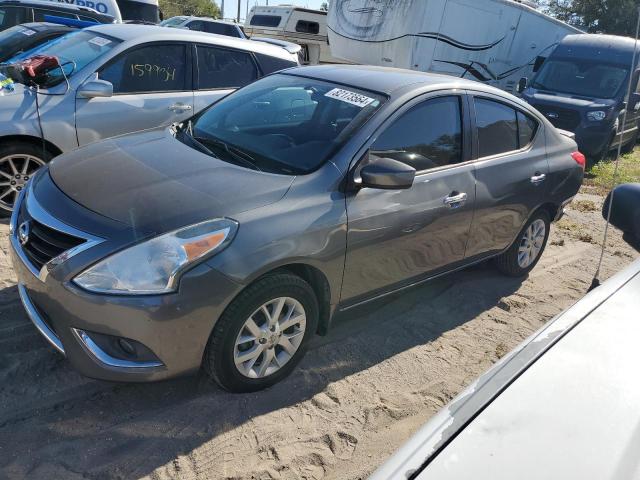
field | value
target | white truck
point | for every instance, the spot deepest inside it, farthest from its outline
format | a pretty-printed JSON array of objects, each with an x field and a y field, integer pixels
[
  {"x": 492, "y": 41},
  {"x": 303, "y": 26}
]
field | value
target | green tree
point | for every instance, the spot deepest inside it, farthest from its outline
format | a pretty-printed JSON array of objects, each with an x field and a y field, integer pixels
[
  {"x": 324, "y": 6},
  {"x": 200, "y": 8},
  {"x": 615, "y": 17}
]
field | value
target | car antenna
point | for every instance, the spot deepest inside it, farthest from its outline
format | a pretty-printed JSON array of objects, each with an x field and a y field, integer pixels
[{"x": 595, "y": 283}]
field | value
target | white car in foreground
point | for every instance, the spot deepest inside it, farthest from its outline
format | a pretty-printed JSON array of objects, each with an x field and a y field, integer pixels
[{"x": 563, "y": 405}]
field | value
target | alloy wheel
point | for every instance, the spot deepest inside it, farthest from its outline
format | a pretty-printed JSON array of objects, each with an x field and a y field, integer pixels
[
  {"x": 270, "y": 337},
  {"x": 531, "y": 243},
  {"x": 15, "y": 172}
]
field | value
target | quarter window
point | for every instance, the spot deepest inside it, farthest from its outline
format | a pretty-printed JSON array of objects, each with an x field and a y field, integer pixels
[
  {"x": 527, "y": 128},
  {"x": 265, "y": 20},
  {"x": 304, "y": 26},
  {"x": 220, "y": 68},
  {"x": 428, "y": 136},
  {"x": 497, "y": 127},
  {"x": 155, "y": 68}
]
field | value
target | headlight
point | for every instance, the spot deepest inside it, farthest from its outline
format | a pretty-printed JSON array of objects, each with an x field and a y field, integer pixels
[
  {"x": 154, "y": 266},
  {"x": 596, "y": 116}
]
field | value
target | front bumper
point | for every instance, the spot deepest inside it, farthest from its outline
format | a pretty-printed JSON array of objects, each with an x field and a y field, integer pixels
[
  {"x": 174, "y": 328},
  {"x": 592, "y": 140}
]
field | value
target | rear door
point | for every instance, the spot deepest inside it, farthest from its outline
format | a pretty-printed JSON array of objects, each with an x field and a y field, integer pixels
[
  {"x": 220, "y": 71},
  {"x": 396, "y": 237},
  {"x": 511, "y": 173},
  {"x": 151, "y": 87}
]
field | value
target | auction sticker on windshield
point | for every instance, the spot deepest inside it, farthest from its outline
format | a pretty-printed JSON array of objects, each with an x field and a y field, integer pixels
[
  {"x": 26, "y": 31},
  {"x": 353, "y": 98},
  {"x": 100, "y": 41}
]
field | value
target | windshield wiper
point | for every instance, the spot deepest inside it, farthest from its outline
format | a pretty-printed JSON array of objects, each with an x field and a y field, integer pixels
[
  {"x": 231, "y": 150},
  {"x": 181, "y": 130}
]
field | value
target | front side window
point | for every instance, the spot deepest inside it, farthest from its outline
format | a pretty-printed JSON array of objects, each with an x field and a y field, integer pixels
[
  {"x": 154, "y": 68},
  {"x": 588, "y": 78},
  {"x": 428, "y": 136},
  {"x": 497, "y": 127},
  {"x": 265, "y": 21},
  {"x": 10, "y": 16},
  {"x": 283, "y": 123},
  {"x": 304, "y": 26},
  {"x": 220, "y": 68}
]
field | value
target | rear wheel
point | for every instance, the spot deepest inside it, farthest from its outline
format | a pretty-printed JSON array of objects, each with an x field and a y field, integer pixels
[
  {"x": 18, "y": 163},
  {"x": 263, "y": 334},
  {"x": 631, "y": 144},
  {"x": 526, "y": 251}
]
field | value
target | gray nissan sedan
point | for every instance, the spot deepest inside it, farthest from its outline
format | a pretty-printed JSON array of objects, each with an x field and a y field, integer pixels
[{"x": 229, "y": 240}]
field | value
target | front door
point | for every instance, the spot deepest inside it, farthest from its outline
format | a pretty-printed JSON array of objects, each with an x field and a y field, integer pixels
[
  {"x": 511, "y": 174},
  {"x": 151, "y": 88},
  {"x": 396, "y": 237}
]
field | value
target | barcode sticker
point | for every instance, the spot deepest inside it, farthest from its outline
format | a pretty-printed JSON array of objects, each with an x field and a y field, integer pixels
[
  {"x": 26, "y": 31},
  {"x": 353, "y": 98},
  {"x": 100, "y": 41}
]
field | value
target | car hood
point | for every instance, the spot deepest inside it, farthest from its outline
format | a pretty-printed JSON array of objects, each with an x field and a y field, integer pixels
[{"x": 155, "y": 183}]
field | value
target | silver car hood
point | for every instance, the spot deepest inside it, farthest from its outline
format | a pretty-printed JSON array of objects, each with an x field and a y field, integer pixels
[{"x": 153, "y": 182}]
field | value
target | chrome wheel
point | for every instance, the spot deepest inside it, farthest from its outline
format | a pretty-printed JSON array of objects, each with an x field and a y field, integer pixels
[
  {"x": 270, "y": 337},
  {"x": 15, "y": 172},
  {"x": 531, "y": 243}
]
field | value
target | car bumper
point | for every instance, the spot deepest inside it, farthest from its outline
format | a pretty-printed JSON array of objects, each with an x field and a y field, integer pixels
[
  {"x": 173, "y": 329},
  {"x": 591, "y": 140}
]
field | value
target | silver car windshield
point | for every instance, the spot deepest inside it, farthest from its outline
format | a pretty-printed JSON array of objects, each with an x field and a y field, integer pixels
[
  {"x": 74, "y": 50},
  {"x": 284, "y": 123}
]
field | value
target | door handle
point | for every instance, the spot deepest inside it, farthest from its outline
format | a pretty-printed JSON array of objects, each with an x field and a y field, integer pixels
[
  {"x": 538, "y": 178},
  {"x": 179, "y": 107},
  {"x": 455, "y": 201}
]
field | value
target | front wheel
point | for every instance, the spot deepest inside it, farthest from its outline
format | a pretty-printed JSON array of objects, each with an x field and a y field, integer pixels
[
  {"x": 18, "y": 163},
  {"x": 526, "y": 251},
  {"x": 263, "y": 333}
]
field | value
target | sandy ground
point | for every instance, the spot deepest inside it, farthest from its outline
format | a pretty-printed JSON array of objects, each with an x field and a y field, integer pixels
[{"x": 357, "y": 396}]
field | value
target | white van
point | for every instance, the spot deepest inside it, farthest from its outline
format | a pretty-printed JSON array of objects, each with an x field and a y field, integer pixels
[{"x": 122, "y": 10}]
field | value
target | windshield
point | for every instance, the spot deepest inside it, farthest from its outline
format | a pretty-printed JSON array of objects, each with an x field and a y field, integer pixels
[
  {"x": 585, "y": 78},
  {"x": 173, "y": 21},
  {"x": 74, "y": 50},
  {"x": 15, "y": 39},
  {"x": 283, "y": 124}
]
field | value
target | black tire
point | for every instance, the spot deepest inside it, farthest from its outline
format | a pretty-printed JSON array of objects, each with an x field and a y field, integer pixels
[
  {"x": 18, "y": 149},
  {"x": 508, "y": 264},
  {"x": 631, "y": 144},
  {"x": 218, "y": 359},
  {"x": 603, "y": 153}
]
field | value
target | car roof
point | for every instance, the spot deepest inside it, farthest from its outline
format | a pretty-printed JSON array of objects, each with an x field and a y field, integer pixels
[
  {"x": 155, "y": 33},
  {"x": 385, "y": 80},
  {"x": 52, "y": 5},
  {"x": 561, "y": 405}
]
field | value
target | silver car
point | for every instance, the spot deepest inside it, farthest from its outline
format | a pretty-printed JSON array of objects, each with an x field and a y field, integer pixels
[{"x": 121, "y": 78}]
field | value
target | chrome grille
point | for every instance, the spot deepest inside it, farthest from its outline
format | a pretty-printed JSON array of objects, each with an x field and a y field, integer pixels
[{"x": 44, "y": 243}]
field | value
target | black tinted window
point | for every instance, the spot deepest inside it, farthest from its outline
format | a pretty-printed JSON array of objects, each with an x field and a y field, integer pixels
[
  {"x": 273, "y": 64},
  {"x": 527, "y": 127},
  {"x": 305, "y": 26},
  {"x": 427, "y": 136},
  {"x": 497, "y": 127},
  {"x": 196, "y": 25},
  {"x": 265, "y": 20},
  {"x": 156, "y": 68},
  {"x": 222, "y": 29},
  {"x": 39, "y": 14},
  {"x": 219, "y": 68},
  {"x": 10, "y": 16}
]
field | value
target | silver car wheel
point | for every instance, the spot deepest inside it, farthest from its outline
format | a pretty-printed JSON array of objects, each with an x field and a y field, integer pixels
[
  {"x": 15, "y": 172},
  {"x": 531, "y": 243},
  {"x": 270, "y": 337}
]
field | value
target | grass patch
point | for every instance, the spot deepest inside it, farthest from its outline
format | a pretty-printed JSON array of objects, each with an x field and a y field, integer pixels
[
  {"x": 600, "y": 176},
  {"x": 575, "y": 230},
  {"x": 584, "y": 206}
]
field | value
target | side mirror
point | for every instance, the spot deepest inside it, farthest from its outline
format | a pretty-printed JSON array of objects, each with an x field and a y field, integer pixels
[
  {"x": 625, "y": 212},
  {"x": 387, "y": 174},
  {"x": 522, "y": 84},
  {"x": 95, "y": 89}
]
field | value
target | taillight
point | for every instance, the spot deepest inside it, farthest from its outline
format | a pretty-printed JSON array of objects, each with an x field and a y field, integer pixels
[{"x": 580, "y": 159}]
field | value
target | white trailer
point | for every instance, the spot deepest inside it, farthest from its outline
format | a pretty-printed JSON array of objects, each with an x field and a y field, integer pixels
[
  {"x": 492, "y": 41},
  {"x": 306, "y": 27}
]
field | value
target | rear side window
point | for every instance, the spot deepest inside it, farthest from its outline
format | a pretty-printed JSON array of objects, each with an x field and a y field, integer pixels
[
  {"x": 265, "y": 20},
  {"x": 427, "y": 136},
  {"x": 273, "y": 64},
  {"x": 497, "y": 127},
  {"x": 10, "y": 16},
  {"x": 304, "y": 26},
  {"x": 527, "y": 128},
  {"x": 220, "y": 68},
  {"x": 222, "y": 29},
  {"x": 154, "y": 68},
  {"x": 39, "y": 14}
]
